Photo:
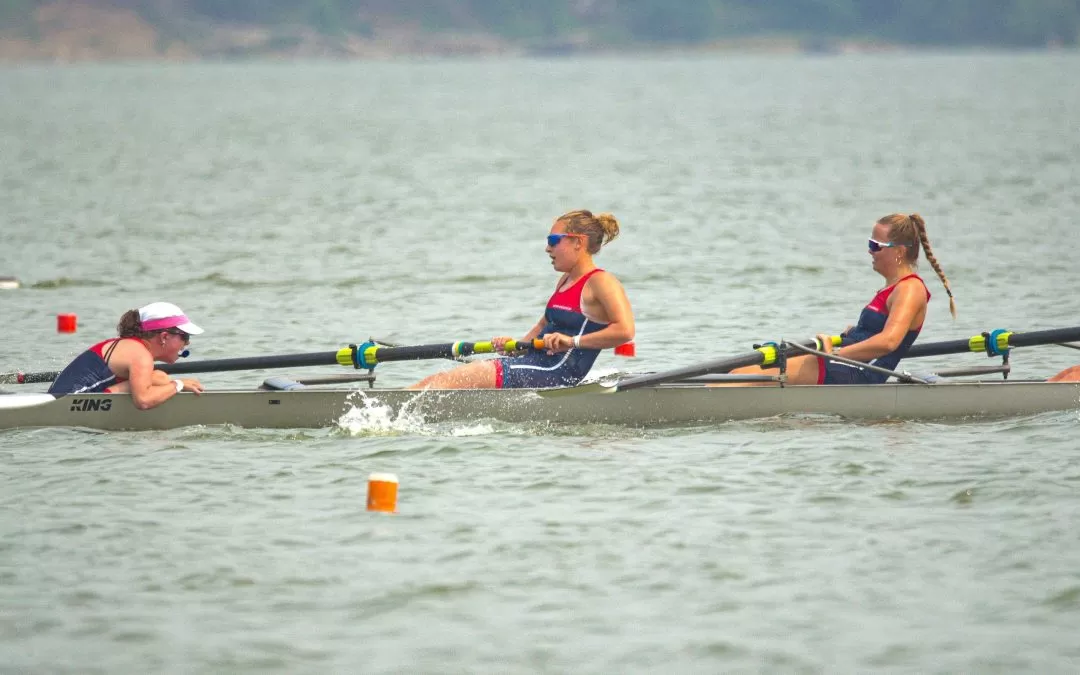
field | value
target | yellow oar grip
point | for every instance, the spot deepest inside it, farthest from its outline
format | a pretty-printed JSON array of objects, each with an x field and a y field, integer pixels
[
  {"x": 511, "y": 346},
  {"x": 978, "y": 342},
  {"x": 769, "y": 351},
  {"x": 367, "y": 355},
  {"x": 515, "y": 345},
  {"x": 478, "y": 348}
]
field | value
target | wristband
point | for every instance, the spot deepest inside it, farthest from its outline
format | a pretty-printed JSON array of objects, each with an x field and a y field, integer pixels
[
  {"x": 179, "y": 385},
  {"x": 577, "y": 341}
]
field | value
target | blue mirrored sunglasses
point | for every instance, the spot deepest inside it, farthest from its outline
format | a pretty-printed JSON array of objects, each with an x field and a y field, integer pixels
[
  {"x": 554, "y": 239},
  {"x": 876, "y": 245}
]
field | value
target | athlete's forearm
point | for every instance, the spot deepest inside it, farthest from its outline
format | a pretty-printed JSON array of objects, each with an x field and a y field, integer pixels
[
  {"x": 154, "y": 395},
  {"x": 612, "y": 335},
  {"x": 870, "y": 348}
]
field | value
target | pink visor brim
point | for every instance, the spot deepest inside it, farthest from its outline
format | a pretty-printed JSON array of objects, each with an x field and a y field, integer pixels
[{"x": 167, "y": 322}]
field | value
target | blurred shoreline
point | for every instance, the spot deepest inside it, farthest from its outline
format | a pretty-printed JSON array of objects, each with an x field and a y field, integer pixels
[{"x": 74, "y": 32}]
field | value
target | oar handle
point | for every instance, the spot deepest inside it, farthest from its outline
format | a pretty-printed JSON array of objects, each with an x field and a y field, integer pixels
[
  {"x": 517, "y": 345},
  {"x": 369, "y": 354}
]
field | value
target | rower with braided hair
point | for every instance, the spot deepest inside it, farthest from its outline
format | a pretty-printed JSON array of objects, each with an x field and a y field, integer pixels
[{"x": 891, "y": 322}]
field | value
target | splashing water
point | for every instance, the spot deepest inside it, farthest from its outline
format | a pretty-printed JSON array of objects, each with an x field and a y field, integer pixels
[
  {"x": 605, "y": 376},
  {"x": 598, "y": 374},
  {"x": 477, "y": 429},
  {"x": 370, "y": 417}
]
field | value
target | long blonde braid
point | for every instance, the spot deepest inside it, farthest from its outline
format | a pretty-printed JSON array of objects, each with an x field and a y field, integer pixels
[{"x": 910, "y": 230}]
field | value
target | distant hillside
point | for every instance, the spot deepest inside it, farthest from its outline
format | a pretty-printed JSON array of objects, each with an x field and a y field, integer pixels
[{"x": 182, "y": 29}]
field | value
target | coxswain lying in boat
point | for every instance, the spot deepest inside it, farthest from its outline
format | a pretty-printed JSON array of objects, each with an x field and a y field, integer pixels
[
  {"x": 889, "y": 325},
  {"x": 589, "y": 311},
  {"x": 157, "y": 332}
]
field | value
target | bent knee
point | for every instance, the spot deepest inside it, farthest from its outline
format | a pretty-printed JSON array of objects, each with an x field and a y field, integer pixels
[{"x": 1067, "y": 375}]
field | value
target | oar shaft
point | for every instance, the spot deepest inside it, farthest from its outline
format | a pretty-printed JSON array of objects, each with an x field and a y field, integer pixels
[
  {"x": 206, "y": 366},
  {"x": 373, "y": 354},
  {"x": 253, "y": 363},
  {"x": 1005, "y": 341},
  {"x": 390, "y": 343},
  {"x": 763, "y": 356},
  {"x": 28, "y": 378},
  {"x": 366, "y": 356},
  {"x": 836, "y": 358}
]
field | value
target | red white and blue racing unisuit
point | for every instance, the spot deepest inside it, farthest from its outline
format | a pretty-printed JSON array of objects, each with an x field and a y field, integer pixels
[
  {"x": 871, "y": 322},
  {"x": 89, "y": 372},
  {"x": 537, "y": 368}
]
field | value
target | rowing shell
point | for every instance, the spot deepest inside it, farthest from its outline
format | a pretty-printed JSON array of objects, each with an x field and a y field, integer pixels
[{"x": 647, "y": 406}]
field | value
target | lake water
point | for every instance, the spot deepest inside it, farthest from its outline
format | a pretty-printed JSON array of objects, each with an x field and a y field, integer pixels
[{"x": 295, "y": 207}]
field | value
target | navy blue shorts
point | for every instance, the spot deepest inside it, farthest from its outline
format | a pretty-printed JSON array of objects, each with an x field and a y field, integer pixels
[
  {"x": 831, "y": 372},
  {"x": 539, "y": 370}
]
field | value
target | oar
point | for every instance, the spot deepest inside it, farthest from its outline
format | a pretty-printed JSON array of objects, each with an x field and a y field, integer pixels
[
  {"x": 367, "y": 355},
  {"x": 28, "y": 378},
  {"x": 388, "y": 343},
  {"x": 998, "y": 340},
  {"x": 765, "y": 355}
]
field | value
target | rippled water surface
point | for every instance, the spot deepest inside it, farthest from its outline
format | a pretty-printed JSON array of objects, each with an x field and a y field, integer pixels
[{"x": 300, "y": 207}]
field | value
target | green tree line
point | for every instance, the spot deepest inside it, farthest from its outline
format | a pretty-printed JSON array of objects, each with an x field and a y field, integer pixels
[{"x": 918, "y": 22}]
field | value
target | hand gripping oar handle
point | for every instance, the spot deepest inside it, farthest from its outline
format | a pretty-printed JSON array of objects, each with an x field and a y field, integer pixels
[
  {"x": 765, "y": 355},
  {"x": 366, "y": 355}
]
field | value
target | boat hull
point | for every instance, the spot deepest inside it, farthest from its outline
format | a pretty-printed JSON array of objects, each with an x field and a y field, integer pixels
[{"x": 649, "y": 406}]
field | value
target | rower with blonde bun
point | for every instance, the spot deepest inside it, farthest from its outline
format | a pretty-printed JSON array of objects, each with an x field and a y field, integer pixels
[{"x": 588, "y": 312}]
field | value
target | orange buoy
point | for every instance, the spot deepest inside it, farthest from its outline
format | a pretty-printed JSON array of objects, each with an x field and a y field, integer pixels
[
  {"x": 382, "y": 492},
  {"x": 66, "y": 323},
  {"x": 626, "y": 349}
]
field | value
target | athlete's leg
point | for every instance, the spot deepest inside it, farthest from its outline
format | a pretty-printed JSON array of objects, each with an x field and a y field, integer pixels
[
  {"x": 800, "y": 370},
  {"x": 475, "y": 375},
  {"x": 1068, "y": 375}
]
